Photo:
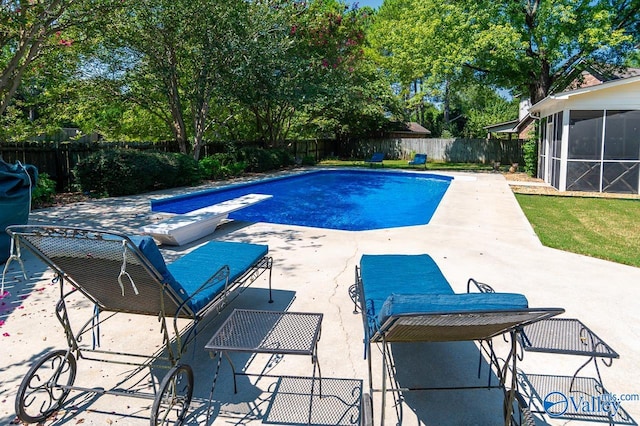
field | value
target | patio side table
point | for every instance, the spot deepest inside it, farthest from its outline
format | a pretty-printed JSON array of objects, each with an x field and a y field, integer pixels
[
  {"x": 269, "y": 332},
  {"x": 568, "y": 336}
]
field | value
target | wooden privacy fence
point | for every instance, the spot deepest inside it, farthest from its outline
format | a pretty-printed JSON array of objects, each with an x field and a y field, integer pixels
[
  {"x": 58, "y": 159},
  {"x": 453, "y": 150}
]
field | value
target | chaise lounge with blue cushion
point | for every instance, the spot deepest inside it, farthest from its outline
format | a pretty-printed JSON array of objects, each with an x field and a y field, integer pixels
[
  {"x": 419, "y": 160},
  {"x": 127, "y": 274},
  {"x": 406, "y": 298},
  {"x": 376, "y": 158}
]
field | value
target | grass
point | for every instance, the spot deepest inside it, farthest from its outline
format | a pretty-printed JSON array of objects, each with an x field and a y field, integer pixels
[
  {"x": 605, "y": 228},
  {"x": 402, "y": 164}
]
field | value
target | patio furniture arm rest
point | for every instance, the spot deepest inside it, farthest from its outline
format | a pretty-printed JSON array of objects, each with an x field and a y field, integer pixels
[
  {"x": 482, "y": 287},
  {"x": 218, "y": 276}
]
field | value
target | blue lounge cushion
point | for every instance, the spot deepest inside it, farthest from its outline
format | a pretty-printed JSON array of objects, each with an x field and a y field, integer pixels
[
  {"x": 150, "y": 249},
  {"x": 195, "y": 268},
  {"x": 385, "y": 274},
  {"x": 187, "y": 274},
  {"x": 377, "y": 157},
  {"x": 398, "y": 304},
  {"x": 418, "y": 159}
]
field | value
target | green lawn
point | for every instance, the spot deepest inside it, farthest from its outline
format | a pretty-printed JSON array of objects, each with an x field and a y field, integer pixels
[
  {"x": 605, "y": 228},
  {"x": 402, "y": 164}
]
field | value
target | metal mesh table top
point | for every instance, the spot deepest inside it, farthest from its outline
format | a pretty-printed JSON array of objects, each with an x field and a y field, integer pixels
[
  {"x": 268, "y": 332},
  {"x": 565, "y": 336}
]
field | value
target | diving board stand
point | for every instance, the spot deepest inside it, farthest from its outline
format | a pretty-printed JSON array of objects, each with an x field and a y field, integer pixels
[{"x": 185, "y": 228}]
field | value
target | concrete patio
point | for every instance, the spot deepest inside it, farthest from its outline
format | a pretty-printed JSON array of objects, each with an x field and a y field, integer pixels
[{"x": 478, "y": 231}]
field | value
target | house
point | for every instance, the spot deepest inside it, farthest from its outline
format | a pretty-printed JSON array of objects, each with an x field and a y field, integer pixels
[
  {"x": 500, "y": 130},
  {"x": 590, "y": 137},
  {"x": 593, "y": 76},
  {"x": 589, "y": 133},
  {"x": 409, "y": 130},
  {"x": 514, "y": 129}
]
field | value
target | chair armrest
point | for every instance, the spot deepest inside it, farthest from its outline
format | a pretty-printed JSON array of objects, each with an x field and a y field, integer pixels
[
  {"x": 481, "y": 287},
  {"x": 221, "y": 274}
]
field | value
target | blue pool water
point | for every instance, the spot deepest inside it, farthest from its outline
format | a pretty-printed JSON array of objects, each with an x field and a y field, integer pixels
[{"x": 351, "y": 200}]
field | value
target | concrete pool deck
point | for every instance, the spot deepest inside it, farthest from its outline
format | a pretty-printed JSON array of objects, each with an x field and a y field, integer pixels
[{"x": 478, "y": 231}]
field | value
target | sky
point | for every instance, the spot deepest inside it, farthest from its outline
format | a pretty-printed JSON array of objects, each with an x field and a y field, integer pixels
[{"x": 371, "y": 3}]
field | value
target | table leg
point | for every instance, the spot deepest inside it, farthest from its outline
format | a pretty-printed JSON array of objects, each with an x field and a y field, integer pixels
[
  {"x": 233, "y": 370},
  {"x": 213, "y": 383}
]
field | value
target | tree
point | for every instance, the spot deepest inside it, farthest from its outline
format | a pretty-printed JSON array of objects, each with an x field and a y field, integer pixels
[
  {"x": 31, "y": 29},
  {"x": 424, "y": 46},
  {"x": 173, "y": 58},
  {"x": 481, "y": 106},
  {"x": 553, "y": 40},
  {"x": 356, "y": 104},
  {"x": 302, "y": 53},
  {"x": 526, "y": 46}
]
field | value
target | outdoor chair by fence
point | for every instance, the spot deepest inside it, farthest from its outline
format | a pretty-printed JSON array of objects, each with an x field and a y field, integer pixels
[
  {"x": 406, "y": 298},
  {"x": 419, "y": 159},
  {"x": 127, "y": 274},
  {"x": 376, "y": 158}
]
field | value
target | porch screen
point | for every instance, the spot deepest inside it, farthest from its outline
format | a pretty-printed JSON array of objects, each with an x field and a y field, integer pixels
[{"x": 603, "y": 151}]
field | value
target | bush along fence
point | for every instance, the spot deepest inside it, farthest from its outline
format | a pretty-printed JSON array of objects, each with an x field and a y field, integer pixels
[{"x": 57, "y": 159}]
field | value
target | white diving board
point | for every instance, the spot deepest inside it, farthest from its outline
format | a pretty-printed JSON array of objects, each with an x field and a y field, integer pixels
[{"x": 184, "y": 228}]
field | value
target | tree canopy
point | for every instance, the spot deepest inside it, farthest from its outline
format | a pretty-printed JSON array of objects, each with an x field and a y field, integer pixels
[
  {"x": 527, "y": 46},
  {"x": 30, "y": 30},
  {"x": 269, "y": 70}
]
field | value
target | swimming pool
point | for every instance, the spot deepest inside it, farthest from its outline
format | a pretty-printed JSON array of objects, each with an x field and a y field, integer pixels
[{"x": 351, "y": 200}]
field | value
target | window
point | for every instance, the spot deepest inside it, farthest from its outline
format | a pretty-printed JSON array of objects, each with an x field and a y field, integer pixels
[
  {"x": 585, "y": 135},
  {"x": 557, "y": 135},
  {"x": 622, "y": 135}
]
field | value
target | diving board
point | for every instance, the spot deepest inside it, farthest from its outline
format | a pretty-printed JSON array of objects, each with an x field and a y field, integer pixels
[{"x": 185, "y": 228}]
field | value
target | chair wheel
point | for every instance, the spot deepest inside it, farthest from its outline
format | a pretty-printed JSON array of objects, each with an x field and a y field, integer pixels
[
  {"x": 42, "y": 390},
  {"x": 174, "y": 396}
]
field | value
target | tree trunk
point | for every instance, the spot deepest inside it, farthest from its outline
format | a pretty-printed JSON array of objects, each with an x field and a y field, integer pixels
[
  {"x": 447, "y": 112},
  {"x": 199, "y": 127},
  {"x": 540, "y": 85},
  {"x": 177, "y": 126},
  {"x": 12, "y": 74}
]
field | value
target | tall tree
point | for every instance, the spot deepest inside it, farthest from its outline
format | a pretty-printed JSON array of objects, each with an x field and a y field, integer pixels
[
  {"x": 30, "y": 29},
  {"x": 555, "y": 40},
  {"x": 300, "y": 49},
  {"x": 528, "y": 46},
  {"x": 172, "y": 57}
]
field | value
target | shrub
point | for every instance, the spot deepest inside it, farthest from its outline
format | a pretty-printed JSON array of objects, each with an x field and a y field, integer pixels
[
  {"x": 530, "y": 153},
  {"x": 126, "y": 172},
  {"x": 221, "y": 165},
  {"x": 262, "y": 160},
  {"x": 308, "y": 160},
  {"x": 44, "y": 191}
]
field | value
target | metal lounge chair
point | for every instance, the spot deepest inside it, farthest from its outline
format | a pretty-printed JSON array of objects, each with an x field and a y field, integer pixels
[
  {"x": 419, "y": 159},
  {"x": 376, "y": 158},
  {"x": 121, "y": 274},
  {"x": 406, "y": 298}
]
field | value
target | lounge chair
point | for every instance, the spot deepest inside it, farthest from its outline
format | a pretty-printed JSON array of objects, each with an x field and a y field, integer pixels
[
  {"x": 122, "y": 274},
  {"x": 406, "y": 298},
  {"x": 419, "y": 159},
  {"x": 376, "y": 158}
]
